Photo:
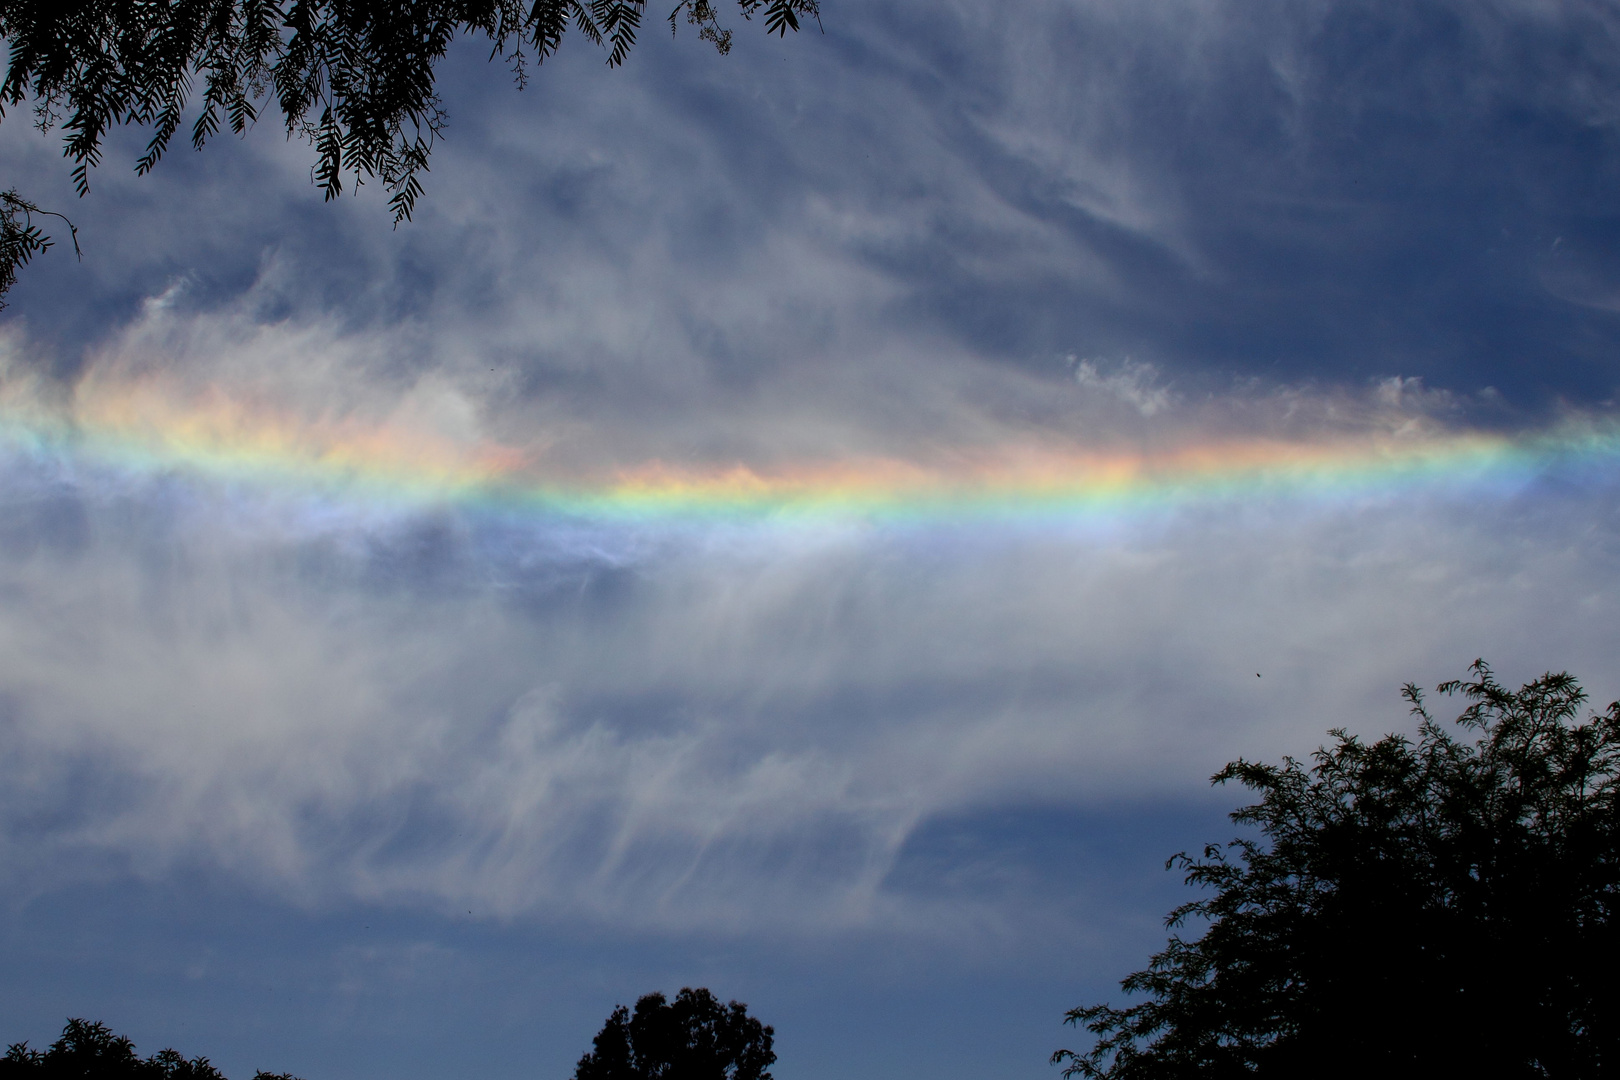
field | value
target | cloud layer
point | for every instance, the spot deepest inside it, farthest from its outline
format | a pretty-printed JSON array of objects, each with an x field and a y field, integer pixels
[
  {"x": 911, "y": 778},
  {"x": 732, "y": 726}
]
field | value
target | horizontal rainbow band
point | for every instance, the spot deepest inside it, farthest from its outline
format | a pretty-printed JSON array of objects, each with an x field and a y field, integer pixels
[{"x": 350, "y": 458}]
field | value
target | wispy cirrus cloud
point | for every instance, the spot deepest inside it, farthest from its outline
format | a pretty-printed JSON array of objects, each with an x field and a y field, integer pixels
[
  {"x": 339, "y": 689},
  {"x": 687, "y": 532}
]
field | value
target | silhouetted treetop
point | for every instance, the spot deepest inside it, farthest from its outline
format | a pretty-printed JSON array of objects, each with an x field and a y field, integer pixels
[
  {"x": 1437, "y": 908},
  {"x": 89, "y": 1051},
  {"x": 692, "y": 1038}
]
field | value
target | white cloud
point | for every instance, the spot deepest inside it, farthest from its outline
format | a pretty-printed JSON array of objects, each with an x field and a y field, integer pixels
[
  {"x": 336, "y": 695},
  {"x": 736, "y": 726},
  {"x": 1136, "y": 384}
]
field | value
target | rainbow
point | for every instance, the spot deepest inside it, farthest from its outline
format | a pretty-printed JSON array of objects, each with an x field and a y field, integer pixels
[{"x": 149, "y": 431}]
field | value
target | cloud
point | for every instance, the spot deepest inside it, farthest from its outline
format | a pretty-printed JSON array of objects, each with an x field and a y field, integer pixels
[
  {"x": 345, "y": 693},
  {"x": 1280, "y": 190},
  {"x": 1239, "y": 221},
  {"x": 1133, "y": 383},
  {"x": 731, "y": 726}
]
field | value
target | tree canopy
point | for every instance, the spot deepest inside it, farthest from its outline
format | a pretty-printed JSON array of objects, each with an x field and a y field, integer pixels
[
  {"x": 1436, "y": 907},
  {"x": 692, "y": 1038},
  {"x": 353, "y": 78},
  {"x": 90, "y": 1051}
]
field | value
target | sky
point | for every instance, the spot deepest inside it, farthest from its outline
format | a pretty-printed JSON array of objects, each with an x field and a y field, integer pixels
[{"x": 806, "y": 522}]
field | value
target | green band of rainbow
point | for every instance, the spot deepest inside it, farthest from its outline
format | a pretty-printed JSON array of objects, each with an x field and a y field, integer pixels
[{"x": 380, "y": 461}]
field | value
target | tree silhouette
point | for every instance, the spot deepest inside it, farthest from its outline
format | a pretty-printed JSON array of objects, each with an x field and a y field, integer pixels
[
  {"x": 692, "y": 1038},
  {"x": 89, "y": 1051},
  {"x": 1437, "y": 908}
]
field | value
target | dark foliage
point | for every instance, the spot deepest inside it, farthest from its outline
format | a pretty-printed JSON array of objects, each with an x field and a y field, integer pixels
[
  {"x": 1442, "y": 908},
  {"x": 88, "y": 1051},
  {"x": 353, "y": 78},
  {"x": 692, "y": 1038},
  {"x": 20, "y": 238}
]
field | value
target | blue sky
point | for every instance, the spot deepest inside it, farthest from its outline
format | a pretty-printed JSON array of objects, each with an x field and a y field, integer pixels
[{"x": 354, "y": 791}]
